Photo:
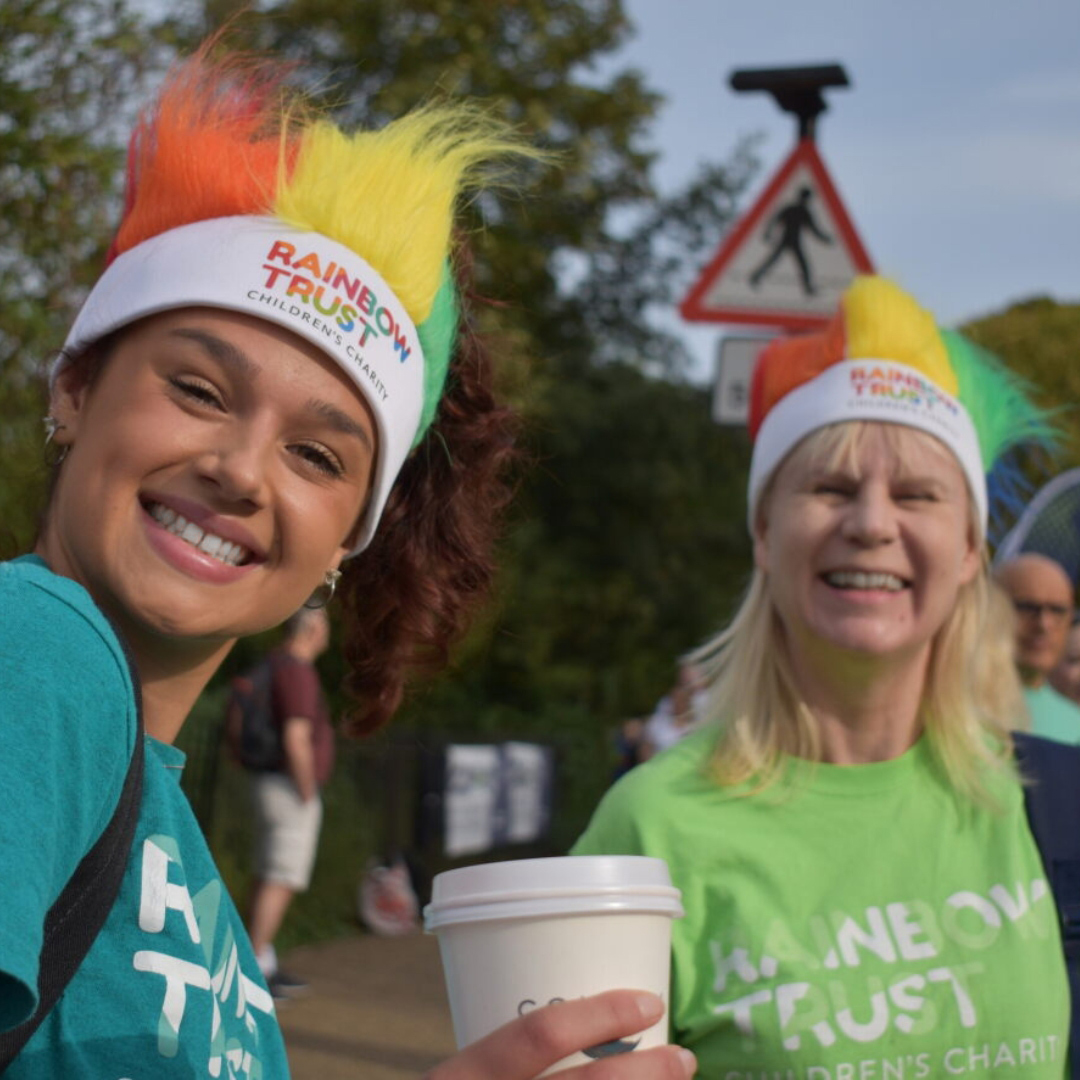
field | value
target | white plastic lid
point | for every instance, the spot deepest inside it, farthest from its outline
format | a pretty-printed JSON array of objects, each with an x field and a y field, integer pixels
[{"x": 569, "y": 885}]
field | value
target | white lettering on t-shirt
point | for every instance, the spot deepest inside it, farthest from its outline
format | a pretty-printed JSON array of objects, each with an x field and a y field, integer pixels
[
  {"x": 909, "y": 1002},
  {"x": 850, "y": 935},
  {"x": 200, "y": 917},
  {"x": 875, "y": 1026},
  {"x": 978, "y": 932},
  {"x": 179, "y": 975},
  {"x": 787, "y": 997},
  {"x": 1013, "y": 907},
  {"x": 964, "y": 1005},
  {"x": 905, "y": 929},
  {"x": 778, "y": 990},
  {"x": 1004, "y": 1056},
  {"x": 159, "y": 896},
  {"x": 804, "y": 1011},
  {"x": 737, "y": 963},
  {"x": 741, "y": 1010}
]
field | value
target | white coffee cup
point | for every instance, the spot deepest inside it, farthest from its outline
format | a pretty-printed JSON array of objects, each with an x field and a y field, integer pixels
[{"x": 514, "y": 936}]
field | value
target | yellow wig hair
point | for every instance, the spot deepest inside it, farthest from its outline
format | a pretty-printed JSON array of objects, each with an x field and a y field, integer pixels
[{"x": 226, "y": 137}]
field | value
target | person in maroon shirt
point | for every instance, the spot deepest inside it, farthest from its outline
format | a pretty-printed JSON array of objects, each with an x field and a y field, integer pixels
[{"x": 286, "y": 802}]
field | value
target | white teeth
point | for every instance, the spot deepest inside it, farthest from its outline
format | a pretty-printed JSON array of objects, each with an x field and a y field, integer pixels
[
  {"x": 223, "y": 550},
  {"x": 192, "y": 534},
  {"x": 854, "y": 579},
  {"x": 211, "y": 544}
]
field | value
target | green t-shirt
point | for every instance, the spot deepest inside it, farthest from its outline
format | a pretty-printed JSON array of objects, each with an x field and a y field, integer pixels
[
  {"x": 170, "y": 987},
  {"x": 859, "y": 924},
  {"x": 1053, "y": 716}
]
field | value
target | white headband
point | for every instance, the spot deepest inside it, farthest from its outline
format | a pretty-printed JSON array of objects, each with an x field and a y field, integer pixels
[
  {"x": 880, "y": 390},
  {"x": 303, "y": 281}
]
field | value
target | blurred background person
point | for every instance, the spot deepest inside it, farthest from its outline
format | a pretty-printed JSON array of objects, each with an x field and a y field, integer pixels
[
  {"x": 629, "y": 743},
  {"x": 1065, "y": 678},
  {"x": 1042, "y": 597},
  {"x": 286, "y": 804},
  {"x": 676, "y": 714}
]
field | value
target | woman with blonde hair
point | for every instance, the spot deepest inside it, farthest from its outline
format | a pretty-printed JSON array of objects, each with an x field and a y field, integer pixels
[
  {"x": 271, "y": 395},
  {"x": 864, "y": 895}
]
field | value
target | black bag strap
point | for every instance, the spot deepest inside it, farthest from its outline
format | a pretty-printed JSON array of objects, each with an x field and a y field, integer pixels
[
  {"x": 1052, "y": 801},
  {"x": 74, "y": 921}
]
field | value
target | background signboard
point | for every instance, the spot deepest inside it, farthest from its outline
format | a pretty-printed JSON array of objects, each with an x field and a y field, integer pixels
[
  {"x": 731, "y": 387},
  {"x": 494, "y": 795},
  {"x": 789, "y": 259},
  {"x": 470, "y": 799}
]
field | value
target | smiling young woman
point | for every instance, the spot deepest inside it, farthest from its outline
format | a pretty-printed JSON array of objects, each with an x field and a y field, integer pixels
[
  {"x": 224, "y": 463},
  {"x": 273, "y": 385},
  {"x": 863, "y": 892}
]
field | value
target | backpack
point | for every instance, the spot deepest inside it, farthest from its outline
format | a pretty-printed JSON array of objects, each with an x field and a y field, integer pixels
[{"x": 251, "y": 728}]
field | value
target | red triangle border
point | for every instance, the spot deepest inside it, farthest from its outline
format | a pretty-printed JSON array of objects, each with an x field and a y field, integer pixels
[{"x": 805, "y": 153}]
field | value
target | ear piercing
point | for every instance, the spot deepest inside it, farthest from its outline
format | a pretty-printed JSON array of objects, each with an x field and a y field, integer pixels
[
  {"x": 330, "y": 580},
  {"x": 52, "y": 426}
]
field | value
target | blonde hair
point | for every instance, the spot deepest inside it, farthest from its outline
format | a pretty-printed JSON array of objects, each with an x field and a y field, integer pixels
[{"x": 971, "y": 697}]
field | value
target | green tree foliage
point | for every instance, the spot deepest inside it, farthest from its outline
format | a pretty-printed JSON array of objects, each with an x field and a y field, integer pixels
[
  {"x": 630, "y": 547},
  {"x": 70, "y": 74},
  {"x": 1038, "y": 338}
]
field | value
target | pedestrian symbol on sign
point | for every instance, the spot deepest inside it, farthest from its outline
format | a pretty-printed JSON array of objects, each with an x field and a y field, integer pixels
[
  {"x": 789, "y": 259},
  {"x": 792, "y": 221}
]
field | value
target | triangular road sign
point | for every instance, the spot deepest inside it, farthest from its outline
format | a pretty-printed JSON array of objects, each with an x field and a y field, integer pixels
[{"x": 788, "y": 260}]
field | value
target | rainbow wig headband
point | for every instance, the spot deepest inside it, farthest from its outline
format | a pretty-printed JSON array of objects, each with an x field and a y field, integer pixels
[
  {"x": 882, "y": 358},
  {"x": 237, "y": 199}
]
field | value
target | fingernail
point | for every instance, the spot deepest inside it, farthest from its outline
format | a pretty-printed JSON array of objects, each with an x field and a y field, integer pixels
[
  {"x": 689, "y": 1062},
  {"x": 650, "y": 1007}
]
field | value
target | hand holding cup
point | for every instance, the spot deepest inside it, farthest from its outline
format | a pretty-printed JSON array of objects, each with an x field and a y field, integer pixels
[
  {"x": 536, "y": 939},
  {"x": 524, "y": 1048}
]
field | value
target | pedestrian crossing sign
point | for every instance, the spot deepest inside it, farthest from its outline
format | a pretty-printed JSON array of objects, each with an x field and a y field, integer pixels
[{"x": 789, "y": 259}]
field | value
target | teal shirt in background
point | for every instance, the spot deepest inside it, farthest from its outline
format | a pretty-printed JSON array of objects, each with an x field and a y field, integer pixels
[
  {"x": 170, "y": 987},
  {"x": 1053, "y": 716}
]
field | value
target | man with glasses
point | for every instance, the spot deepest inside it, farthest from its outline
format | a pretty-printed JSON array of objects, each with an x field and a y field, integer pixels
[{"x": 1042, "y": 596}]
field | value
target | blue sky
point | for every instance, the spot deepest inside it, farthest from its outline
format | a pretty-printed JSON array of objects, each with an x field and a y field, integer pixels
[{"x": 956, "y": 150}]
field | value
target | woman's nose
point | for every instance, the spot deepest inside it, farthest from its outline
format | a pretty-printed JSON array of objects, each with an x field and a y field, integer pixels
[
  {"x": 237, "y": 467},
  {"x": 871, "y": 517}
]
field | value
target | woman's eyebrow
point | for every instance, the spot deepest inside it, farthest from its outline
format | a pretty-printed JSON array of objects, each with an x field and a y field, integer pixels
[
  {"x": 227, "y": 354},
  {"x": 340, "y": 421},
  {"x": 920, "y": 479}
]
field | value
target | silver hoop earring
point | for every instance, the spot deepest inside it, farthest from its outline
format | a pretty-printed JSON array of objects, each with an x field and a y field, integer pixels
[
  {"x": 320, "y": 599},
  {"x": 52, "y": 426}
]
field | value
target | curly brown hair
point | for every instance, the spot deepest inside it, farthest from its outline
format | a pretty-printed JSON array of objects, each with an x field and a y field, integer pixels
[{"x": 411, "y": 595}]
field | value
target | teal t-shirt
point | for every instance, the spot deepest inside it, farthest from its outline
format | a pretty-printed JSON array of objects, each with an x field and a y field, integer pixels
[
  {"x": 850, "y": 923},
  {"x": 170, "y": 987},
  {"x": 1053, "y": 716}
]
